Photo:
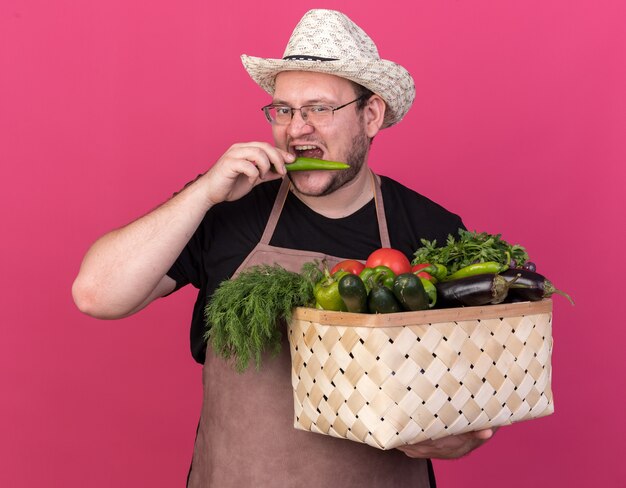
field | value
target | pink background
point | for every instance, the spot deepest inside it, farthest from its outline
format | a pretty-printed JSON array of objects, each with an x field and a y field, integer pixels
[{"x": 107, "y": 107}]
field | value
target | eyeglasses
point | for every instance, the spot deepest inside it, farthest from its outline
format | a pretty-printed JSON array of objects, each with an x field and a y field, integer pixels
[{"x": 311, "y": 114}]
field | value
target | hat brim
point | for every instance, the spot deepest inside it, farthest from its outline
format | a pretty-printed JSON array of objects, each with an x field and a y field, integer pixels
[{"x": 387, "y": 79}]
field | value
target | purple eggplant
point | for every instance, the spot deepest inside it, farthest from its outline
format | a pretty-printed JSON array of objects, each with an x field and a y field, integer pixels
[
  {"x": 473, "y": 291},
  {"x": 530, "y": 286}
]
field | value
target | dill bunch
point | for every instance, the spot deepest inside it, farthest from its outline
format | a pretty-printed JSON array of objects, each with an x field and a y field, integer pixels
[{"x": 243, "y": 315}]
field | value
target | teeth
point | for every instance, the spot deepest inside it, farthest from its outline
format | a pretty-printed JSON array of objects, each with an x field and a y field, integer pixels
[{"x": 304, "y": 148}]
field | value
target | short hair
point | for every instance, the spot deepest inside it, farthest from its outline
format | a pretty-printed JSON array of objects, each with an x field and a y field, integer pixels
[{"x": 363, "y": 94}]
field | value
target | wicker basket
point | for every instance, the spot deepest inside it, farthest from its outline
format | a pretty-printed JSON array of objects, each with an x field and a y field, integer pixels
[{"x": 393, "y": 379}]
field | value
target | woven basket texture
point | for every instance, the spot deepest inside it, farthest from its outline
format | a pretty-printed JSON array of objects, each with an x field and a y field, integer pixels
[{"x": 403, "y": 378}]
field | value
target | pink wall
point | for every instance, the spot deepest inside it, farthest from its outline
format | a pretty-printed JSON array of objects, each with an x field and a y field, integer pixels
[{"x": 106, "y": 108}]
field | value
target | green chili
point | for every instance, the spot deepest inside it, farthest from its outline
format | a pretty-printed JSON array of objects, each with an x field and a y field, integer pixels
[
  {"x": 431, "y": 291},
  {"x": 438, "y": 271},
  {"x": 309, "y": 164},
  {"x": 477, "y": 269}
]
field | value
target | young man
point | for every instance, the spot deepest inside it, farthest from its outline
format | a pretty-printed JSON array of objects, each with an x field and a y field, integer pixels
[{"x": 331, "y": 94}]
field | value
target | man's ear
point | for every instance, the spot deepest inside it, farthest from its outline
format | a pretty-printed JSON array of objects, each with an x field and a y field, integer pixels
[{"x": 374, "y": 113}]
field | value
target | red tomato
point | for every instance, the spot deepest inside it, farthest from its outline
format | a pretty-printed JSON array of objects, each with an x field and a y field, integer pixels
[
  {"x": 392, "y": 258},
  {"x": 423, "y": 274},
  {"x": 350, "y": 265}
]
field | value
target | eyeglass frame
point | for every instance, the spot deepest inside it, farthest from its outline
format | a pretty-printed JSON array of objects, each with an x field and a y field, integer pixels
[{"x": 266, "y": 108}]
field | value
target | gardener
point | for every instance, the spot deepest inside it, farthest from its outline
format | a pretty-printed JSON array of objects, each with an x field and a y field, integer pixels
[{"x": 331, "y": 94}]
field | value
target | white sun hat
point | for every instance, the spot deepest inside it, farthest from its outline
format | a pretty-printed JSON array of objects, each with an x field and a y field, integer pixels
[{"x": 327, "y": 41}]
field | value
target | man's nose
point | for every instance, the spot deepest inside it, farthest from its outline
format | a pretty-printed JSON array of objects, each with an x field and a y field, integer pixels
[{"x": 298, "y": 124}]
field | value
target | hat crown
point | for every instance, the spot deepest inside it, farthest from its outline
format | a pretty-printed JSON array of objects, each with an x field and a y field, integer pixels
[{"x": 332, "y": 35}]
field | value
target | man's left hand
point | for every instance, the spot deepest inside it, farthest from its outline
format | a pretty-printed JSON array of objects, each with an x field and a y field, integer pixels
[{"x": 449, "y": 447}]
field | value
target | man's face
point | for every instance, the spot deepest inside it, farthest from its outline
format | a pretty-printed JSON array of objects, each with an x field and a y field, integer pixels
[{"x": 343, "y": 138}]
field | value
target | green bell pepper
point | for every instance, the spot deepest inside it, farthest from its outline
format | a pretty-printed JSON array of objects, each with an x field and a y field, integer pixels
[
  {"x": 326, "y": 292},
  {"x": 382, "y": 275}
]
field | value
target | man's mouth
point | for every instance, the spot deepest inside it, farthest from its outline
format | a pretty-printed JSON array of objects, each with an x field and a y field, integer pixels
[{"x": 308, "y": 151}]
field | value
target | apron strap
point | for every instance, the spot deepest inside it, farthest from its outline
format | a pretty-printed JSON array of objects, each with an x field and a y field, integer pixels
[
  {"x": 380, "y": 213},
  {"x": 276, "y": 210},
  {"x": 281, "y": 197}
]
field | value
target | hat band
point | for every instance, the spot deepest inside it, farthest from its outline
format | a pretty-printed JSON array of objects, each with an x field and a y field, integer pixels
[{"x": 304, "y": 57}]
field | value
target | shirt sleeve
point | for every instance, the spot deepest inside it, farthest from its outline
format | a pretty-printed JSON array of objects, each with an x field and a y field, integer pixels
[{"x": 187, "y": 269}]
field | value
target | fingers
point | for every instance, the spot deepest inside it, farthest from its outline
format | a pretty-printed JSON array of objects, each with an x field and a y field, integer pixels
[
  {"x": 484, "y": 435},
  {"x": 259, "y": 159},
  {"x": 241, "y": 167},
  {"x": 450, "y": 447}
]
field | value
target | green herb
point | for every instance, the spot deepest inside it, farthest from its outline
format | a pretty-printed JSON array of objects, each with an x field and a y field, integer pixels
[
  {"x": 468, "y": 248},
  {"x": 243, "y": 314}
]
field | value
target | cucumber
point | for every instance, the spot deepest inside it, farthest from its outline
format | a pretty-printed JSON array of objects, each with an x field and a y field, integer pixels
[
  {"x": 409, "y": 291},
  {"x": 382, "y": 300},
  {"x": 353, "y": 293}
]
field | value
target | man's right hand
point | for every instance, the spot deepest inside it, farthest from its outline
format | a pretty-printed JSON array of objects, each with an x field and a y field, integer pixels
[{"x": 242, "y": 167}]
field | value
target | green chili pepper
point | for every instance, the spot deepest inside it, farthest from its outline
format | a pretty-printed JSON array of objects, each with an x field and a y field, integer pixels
[
  {"x": 477, "y": 269},
  {"x": 431, "y": 291},
  {"x": 439, "y": 271},
  {"x": 326, "y": 292},
  {"x": 310, "y": 164}
]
